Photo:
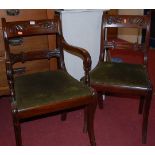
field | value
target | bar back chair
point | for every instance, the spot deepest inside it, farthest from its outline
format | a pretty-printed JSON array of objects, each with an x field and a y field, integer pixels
[
  {"x": 124, "y": 78},
  {"x": 45, "y": 92}
]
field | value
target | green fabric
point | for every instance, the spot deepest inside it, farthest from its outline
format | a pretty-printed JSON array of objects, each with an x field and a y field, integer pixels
[
  {"x": 123, "y": 74},
  {"x": 42, "y": 88}
]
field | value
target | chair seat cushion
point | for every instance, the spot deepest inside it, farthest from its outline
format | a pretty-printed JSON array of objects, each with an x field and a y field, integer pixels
[
  {"x": 45, "y": 87},
  {"x": 119, "y": 74}
]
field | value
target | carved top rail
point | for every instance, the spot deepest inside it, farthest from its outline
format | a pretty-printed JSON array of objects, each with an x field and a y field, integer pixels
[
  {"x": 31, "y": 27},
  {"x": 123, "y": 45},
  {"x": 127, "y": 20}
]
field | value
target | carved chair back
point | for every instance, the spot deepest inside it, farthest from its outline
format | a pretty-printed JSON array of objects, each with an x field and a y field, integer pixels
[
  {"x": 125, "y": 21},
  {"x": 51, "y": 91},
  {"x": 124, "y": 79},
  {"x": 21, "y": 29}
]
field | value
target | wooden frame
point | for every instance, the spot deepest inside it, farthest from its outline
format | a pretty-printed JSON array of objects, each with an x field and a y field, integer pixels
[
  {"x": 145, "y": 93},
  {"x": 46, "y": 27}
]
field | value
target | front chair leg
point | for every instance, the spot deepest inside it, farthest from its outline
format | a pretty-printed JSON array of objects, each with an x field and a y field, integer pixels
[
  {"x": 17, "y": 130},
  {"x": 145, "y": 116},
  {"x": 90, "y": 122}
]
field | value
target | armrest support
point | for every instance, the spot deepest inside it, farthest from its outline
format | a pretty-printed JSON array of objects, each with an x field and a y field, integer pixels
[
  {"x": 83, "y": 54},
  {"x": 10, "y": 78}
]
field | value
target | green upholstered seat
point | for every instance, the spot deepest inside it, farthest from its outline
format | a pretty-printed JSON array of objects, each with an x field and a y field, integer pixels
[
  {"x": 122, "y": 74},
  {"x": 41, "y": 88}
]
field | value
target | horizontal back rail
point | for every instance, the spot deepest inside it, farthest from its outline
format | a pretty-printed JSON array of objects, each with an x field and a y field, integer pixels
[
  {"x": 130, "y": 21},
  {"x": 34, "y": 55},
  {"x": 30, "y": 28},
  {"x": 123, "y": 45}
]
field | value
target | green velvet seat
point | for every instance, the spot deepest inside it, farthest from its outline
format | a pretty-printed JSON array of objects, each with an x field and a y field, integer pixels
[
  {"x": 47, "y": 92},
  {"x": 123, "y": 78},
  {"x": 119, "y": 74},
  {"x": 33, "y": 90}
]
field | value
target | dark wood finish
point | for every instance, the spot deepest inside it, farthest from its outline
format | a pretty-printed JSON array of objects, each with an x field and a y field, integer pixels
[
  {"x": 125, "y": 21},
  {"x": 45, "y": 27},
  {"x": 152, "y": 31},
  {"x": 100, "y": 100},
  {"x": 112, "y": 33},
  {"x": 128, "y": 21},
  {"x": 53, "y": 62}
]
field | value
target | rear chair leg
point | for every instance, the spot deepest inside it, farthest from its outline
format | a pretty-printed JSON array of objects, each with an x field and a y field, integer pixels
[
  {"x": 145, "y": 116},
  {"x": 63, "y": 116},
  {"x": 141, "y": 104},
  {"x": 100, "y": 100}
]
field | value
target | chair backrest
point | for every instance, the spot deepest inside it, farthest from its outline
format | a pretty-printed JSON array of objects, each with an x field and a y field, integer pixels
[
  {"x": 17, "y": 29},
  {"x": 30, "y": 28},
  {"x": 140, "y": 22}
]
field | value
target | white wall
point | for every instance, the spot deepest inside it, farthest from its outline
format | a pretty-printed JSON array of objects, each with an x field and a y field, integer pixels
[
  {"x": 131, "y": 35},
  {"x": 81, "y": 28}
]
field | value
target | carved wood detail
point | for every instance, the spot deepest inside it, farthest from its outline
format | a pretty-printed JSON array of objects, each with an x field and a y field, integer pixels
[
  {"x": 22, "y": 28},
  {"x": 22, "y": 57},
  {"x": 138, "y": 20}
]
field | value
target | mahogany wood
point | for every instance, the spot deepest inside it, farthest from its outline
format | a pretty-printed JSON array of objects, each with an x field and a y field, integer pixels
[
  {"x": 145, "y": 94},
  {"x": 112, "y": 32},
  {"x": 45, "y": 27}
]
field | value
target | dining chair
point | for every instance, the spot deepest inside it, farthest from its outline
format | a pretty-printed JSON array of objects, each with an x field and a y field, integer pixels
[
  {"x": 33, "y": 95},
  {"x": 124, "y": 78}
]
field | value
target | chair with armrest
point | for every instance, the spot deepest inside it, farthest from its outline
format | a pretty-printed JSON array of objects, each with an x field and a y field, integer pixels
[
  {"x": 124, "y": 78},
  {"x": 44, "y": 92}
]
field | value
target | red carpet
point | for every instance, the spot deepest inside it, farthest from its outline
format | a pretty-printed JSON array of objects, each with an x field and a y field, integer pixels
[{"x": 117, "y": 124}]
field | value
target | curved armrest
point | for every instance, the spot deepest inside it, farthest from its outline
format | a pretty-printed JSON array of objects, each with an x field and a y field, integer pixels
[{"x": 83, "y": 54}]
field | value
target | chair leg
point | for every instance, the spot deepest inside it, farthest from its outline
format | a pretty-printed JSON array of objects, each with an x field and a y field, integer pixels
[
  {"x": 141, "y": 104},
  {"x": 100, "y": 100},
  {"x": 145, "y": 116},
  {"x": 85, "y": 129},
  {"x": 17, "y": 130},
  {"x": 63, "y": 116},
  {"x": 90, "y": 122}
]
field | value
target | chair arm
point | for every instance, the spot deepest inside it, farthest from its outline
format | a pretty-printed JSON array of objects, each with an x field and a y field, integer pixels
[{"x": 83, "y": 54}]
